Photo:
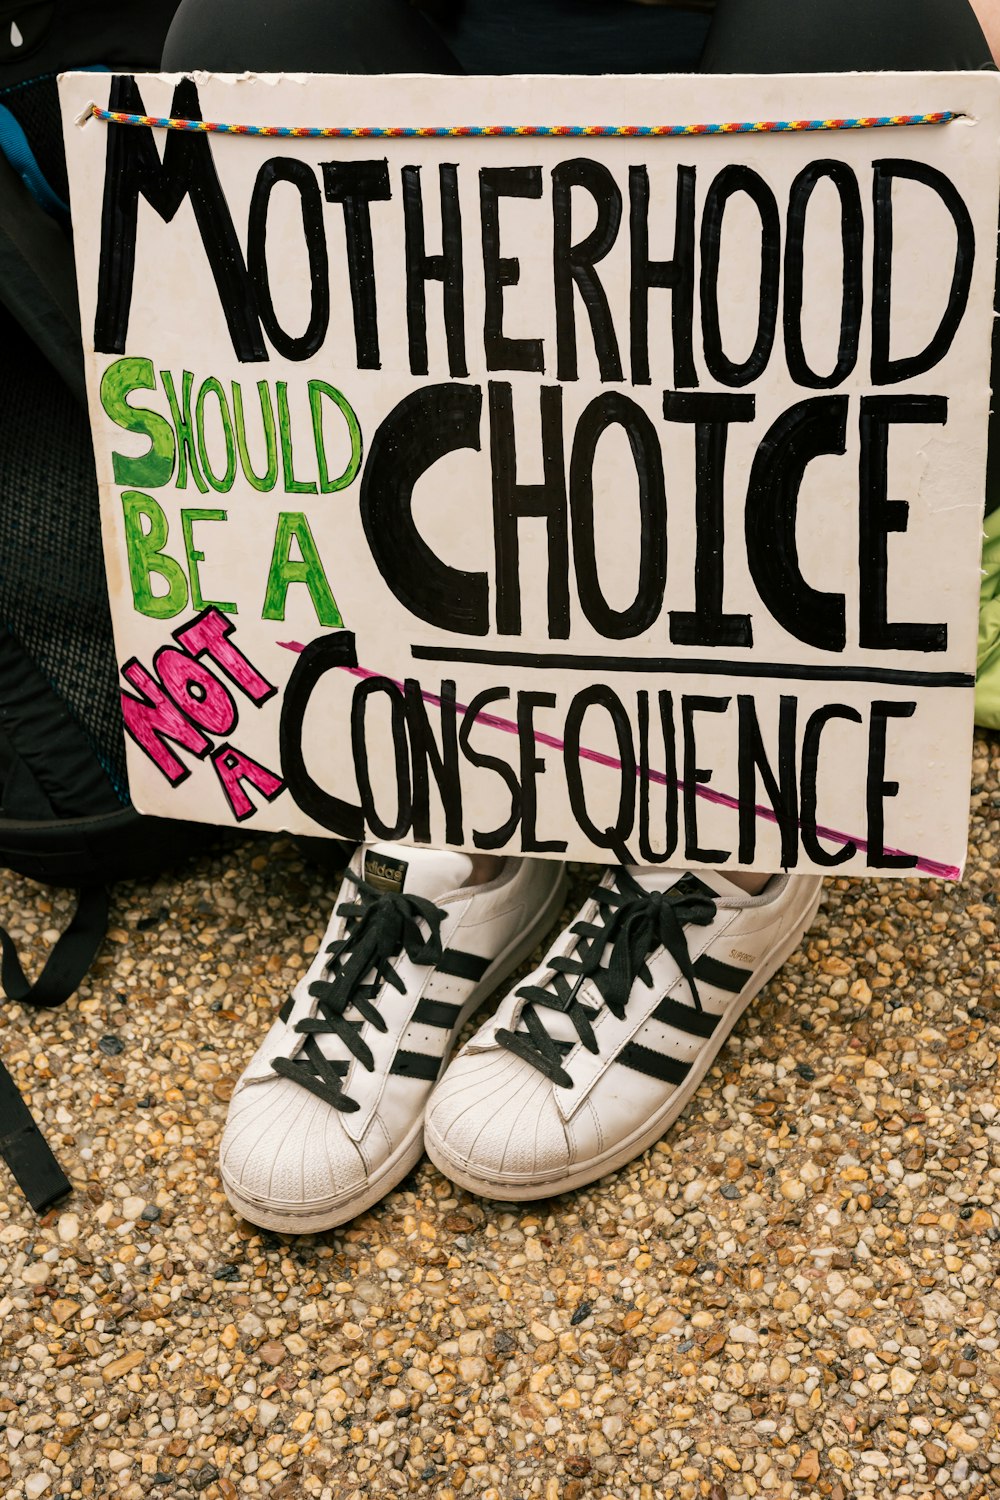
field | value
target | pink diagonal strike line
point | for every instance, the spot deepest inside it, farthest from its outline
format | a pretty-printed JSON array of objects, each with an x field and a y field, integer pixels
[{"x": 721, "y": 799}]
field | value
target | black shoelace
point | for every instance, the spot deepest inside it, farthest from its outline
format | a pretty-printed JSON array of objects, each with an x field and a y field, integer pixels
[
  {"x": 633, "y": 923},
  {"x": 380, "y": 926}
]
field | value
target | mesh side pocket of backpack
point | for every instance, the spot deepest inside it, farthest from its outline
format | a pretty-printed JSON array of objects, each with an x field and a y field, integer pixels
[
  {"x": 35, "y": 106},
  {"x": 53, "y": 595}
]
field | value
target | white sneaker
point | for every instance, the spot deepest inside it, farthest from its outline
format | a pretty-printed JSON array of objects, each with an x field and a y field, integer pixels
[
  {"x": 590, "y": 1060},
  {"x": 329, "y": 1114}
]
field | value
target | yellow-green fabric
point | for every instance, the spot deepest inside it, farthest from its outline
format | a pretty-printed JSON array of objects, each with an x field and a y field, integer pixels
[{"x": 988, "y": 655}]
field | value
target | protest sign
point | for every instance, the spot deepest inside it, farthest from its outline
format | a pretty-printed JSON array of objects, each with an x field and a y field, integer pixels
[{"x": 600, "y": 495}]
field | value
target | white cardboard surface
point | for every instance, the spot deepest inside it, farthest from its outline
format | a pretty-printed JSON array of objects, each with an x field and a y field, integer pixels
[{"x": 870, "y": 779}]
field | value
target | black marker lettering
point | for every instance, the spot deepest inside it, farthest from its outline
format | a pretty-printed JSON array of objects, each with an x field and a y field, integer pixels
[
  {"x": 615, "y": 837},
  {"x": 614, "y": 409},
  {"x": 801, "y": 434},
  {"x": 532, "y": 765},
  {"x": 498, "y": 837},
  {"x": 885, "y": 369},
  {"x": 426, "y": 425},
  {"x": 676, "y": 275},
  {"x": 575, "y": 263},
  {"x": 512, "y": 501},
  {"x": 359, "y": 749},
  {"x": 815, "y": 725},
  {"x": 443, "y": 762},
  {"x": 319, "y": 657},
  {"x": 695, "y": 776},
  {"x": 446, "y": 268},
  {"x": 879, "y": 515},
  {"x": 133, "y": 170},
  {"x": 647, "y": 854},
  {"x": 358, "y": 184},
  {"x": 732, "y": 180},
  {"x": 707, "y": 624},
  {"x": 782, "y": 791},
  {"x": 301, "y": 177},
  {"x": 852, "y": 230},
  {"x": 878, "y": 788},
  {"x": 503, "y": 353}
]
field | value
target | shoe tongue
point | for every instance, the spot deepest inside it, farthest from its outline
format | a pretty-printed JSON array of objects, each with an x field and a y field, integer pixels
[
  {"x": 396, "y": 868},
  {"x": 659, "y": 878}
]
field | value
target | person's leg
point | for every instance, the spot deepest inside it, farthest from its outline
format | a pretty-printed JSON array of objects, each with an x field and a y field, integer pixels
[
  {"x": 988, "y": 16},
  {"x": 327, "y": 1117},
  {"x": 345, "y": 1039},
  {"x": 844, "y": 36},
  {"x": 304, "y": 36},
  {"x": 593, "y": 1058}
]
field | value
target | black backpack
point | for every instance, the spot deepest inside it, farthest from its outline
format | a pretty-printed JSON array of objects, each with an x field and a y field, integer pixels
[{"x": 65, "y": 813}]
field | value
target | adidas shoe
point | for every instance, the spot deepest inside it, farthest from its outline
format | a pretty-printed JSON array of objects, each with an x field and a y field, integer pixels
[
  {"x": 597, "y": 1053},
  {"x": 329, "y": 1114}
]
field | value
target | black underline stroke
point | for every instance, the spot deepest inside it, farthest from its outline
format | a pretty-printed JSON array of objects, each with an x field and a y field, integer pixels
[{"x": 693, "y": 666}]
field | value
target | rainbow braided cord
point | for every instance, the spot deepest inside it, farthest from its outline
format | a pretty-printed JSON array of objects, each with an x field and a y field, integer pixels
[{"x": 391, "y": 132}]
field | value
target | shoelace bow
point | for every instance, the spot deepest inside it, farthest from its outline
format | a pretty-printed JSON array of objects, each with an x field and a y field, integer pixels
[
  {"x": 381, "y": 926},
  {"x": 634, "y": 923}
]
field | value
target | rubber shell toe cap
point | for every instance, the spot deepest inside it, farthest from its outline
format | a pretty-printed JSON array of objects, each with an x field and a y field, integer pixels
[
  {"x": 286, "y": 1149},
  {"x": 494, "y": 1116}
]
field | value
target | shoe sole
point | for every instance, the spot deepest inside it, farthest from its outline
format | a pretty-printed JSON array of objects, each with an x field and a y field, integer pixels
[
  {"x": 516, "y": 1190},
  {"x": 392, "y": 1171}
]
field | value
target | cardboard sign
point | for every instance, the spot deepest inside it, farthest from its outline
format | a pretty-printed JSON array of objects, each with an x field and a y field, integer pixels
[{"x": 607, "y": 497}]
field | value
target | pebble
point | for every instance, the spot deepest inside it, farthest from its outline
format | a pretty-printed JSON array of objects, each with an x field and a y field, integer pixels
[
  {"x": 122, "y": 1366},
  {"x": 901, "y": 1381},
  {"x": 964, "y": 1440},
  {"x": 794, "y": 1293},
  {"x": 68, "y": 1228}
]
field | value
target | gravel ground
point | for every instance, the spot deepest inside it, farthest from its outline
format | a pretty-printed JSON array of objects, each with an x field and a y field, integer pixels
[{"x": 795, "y": 1294}]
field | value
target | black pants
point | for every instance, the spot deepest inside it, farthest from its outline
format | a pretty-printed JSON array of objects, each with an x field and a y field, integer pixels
[{"x": 588, "y": 36}]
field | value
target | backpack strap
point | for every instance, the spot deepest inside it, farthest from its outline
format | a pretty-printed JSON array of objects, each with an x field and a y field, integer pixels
[
  {"x": 71, "y": 957},
  {"x": 26, "y": 1151},
  {"x": 22, "y": 1145}
]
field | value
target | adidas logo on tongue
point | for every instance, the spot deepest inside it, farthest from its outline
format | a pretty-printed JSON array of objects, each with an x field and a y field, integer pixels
[{"x": 383, "y": 872}]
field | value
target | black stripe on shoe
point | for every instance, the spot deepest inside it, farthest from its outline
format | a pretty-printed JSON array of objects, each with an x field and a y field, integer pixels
[
  {"x": 722, "y": 976},
  {"x": 462, "y": 965},
  {"x": 436, "y": 1013},
  {"x": 286, "y": 1009},
  {"x": 685, "y": 1017},
  {"x": 654, "y": 1064},
  {"x": 416, "y": 1065}
]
